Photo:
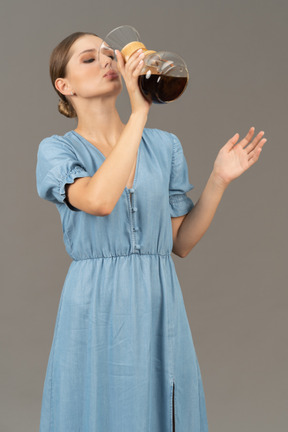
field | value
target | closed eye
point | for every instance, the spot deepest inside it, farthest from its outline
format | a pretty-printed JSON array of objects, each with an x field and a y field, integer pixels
[{"x": 92, "y": 59}]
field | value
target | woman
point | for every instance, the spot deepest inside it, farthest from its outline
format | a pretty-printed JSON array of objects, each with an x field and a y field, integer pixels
[{"x": 122, "y": 356}]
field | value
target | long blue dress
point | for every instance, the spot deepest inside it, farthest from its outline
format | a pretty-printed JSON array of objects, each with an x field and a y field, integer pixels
[{"x": 122, "y": 357}]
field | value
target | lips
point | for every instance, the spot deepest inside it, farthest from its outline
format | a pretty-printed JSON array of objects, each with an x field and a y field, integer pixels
[{"x": 112, "y": 74}]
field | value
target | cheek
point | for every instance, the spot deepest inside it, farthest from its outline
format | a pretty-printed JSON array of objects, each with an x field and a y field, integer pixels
[
  {"x": 89, "y": 71},
  {"x": 88, "y": 77}
]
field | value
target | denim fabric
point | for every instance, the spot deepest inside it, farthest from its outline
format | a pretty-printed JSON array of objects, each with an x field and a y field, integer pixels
[{"x": 122, "y": 355}]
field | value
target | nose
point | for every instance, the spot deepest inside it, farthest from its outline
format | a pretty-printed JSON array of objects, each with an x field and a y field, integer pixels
[
  {"x": 107, "y": 62},
  {"x": 106, "y": 56}
]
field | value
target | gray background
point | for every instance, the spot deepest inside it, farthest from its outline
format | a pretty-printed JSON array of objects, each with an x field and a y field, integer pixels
[{"x": 234, "y": 281}]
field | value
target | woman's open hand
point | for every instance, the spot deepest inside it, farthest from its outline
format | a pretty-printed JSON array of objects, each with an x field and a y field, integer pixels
[
  {"x": 235, "y": 158},
  {"x": 130, "y": 72}
]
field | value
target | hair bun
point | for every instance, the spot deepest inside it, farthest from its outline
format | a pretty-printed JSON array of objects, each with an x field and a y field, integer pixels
[{"x": 65, "y": 108}]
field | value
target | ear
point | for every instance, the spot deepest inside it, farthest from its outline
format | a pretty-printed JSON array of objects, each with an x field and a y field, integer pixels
[{"x": 62, "y": 86}]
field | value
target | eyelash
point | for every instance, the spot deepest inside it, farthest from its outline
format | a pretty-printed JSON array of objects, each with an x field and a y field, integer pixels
[
  {"x": 88, "y": 61},
  {"x": 92, "y": 59}
]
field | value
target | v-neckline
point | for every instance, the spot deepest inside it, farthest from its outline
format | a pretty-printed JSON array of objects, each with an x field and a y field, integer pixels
[{"x": 104, "y": 157}]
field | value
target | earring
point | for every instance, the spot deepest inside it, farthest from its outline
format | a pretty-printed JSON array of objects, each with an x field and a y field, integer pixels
[{"x": 72, "y": 93}]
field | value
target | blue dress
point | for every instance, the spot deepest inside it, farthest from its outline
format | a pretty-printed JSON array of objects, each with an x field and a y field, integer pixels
[{"x": 122, "y": 357}]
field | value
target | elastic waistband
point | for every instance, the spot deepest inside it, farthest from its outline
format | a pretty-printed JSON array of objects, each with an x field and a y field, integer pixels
[{"x": 121, "y": 256}]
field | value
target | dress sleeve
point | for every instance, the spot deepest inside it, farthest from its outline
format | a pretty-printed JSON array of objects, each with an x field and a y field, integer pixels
[
  {"x": 180, "y": 203},
  {"x": 57, "y": 165}
]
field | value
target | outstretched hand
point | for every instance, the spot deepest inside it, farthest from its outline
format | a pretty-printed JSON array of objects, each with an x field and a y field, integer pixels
[{"x": 235, "y": 158}]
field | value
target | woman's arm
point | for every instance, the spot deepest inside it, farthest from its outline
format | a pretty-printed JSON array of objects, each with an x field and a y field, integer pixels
[
  {"x": 232, "y": 160},
  {"x": 99, "y": 194}
]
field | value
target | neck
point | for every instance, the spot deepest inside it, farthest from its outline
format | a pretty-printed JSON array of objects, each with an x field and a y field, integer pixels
[{"x": 99, "y": 121}]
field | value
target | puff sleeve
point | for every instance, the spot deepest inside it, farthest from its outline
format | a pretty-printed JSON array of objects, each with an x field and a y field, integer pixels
[
  {"x": 57, "y": 165},
  {"x": 180, "y": 204}
]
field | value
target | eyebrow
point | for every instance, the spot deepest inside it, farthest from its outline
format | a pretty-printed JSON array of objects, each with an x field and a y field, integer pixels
[{"x": 88, "y": 50}]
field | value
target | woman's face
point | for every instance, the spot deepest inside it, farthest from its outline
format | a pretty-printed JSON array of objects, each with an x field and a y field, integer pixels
[{"x": 87, "y": 66}]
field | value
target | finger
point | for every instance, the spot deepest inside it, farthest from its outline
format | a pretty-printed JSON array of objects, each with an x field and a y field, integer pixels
[
  {"x": 250, "y": 147},
  {"x": 254, "y": 154},
  {"x": 120, "y": 60},
  {"x": 133, "y": 63},
  {"x": 135, "y": 54},
  {"x": 243, "y": 143},
  {"x": 254, "y": 158},
  {"x": 133, "y": 57},
  {"x": 138, "y": 69},
  {"x": 232, "y": 141}
]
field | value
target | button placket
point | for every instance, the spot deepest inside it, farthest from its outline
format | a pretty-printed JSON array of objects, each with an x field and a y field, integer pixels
[{"x": 135, "y": 228}]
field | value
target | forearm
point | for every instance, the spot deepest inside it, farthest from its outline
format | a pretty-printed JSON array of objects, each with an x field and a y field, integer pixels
[
  {"x": 109, "y": 181},
  {"x": 198, "y": 220},
  {"x": 232, "y": 160}
]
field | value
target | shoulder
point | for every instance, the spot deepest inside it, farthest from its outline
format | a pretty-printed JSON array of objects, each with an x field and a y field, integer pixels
[
  {"x": 164, "y": 140},
  {"x": 56, "y": 143},
  {"x": 161, "y": 138},
  {"x": 159, "y": 133}
]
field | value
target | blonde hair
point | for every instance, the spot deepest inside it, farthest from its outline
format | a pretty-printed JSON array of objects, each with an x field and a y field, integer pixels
[{"x": 59, "y": 58}]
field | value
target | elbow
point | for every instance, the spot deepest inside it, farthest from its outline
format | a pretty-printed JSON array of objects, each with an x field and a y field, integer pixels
[
  {"x": 100, "y": 208},
  {"x": 103, "y": 211},
  {"x": 183, "y": 254},
  {"x": 180, "y": 254},
  {"x": 87, "y": 201}
]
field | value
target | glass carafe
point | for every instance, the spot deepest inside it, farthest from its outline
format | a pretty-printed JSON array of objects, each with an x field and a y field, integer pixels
[{"x": 164, "y": 75}]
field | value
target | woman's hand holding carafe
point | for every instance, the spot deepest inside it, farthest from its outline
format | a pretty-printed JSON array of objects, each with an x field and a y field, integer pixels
[{"x": 130, "y": 72}]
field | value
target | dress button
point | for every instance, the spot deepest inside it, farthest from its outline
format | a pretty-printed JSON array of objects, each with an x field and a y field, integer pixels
[
  {"x": 134, "y": 209},
  {"x": 131, "y": 190},
  {"x": 137, "y": 246},
  {"x": 135, "y": 228}
]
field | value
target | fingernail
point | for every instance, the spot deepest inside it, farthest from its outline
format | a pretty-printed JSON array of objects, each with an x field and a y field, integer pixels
[{"x": 140, "y": 50}]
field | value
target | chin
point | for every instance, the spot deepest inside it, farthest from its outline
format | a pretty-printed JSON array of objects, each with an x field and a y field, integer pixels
[{"x": 118, "y": 89}]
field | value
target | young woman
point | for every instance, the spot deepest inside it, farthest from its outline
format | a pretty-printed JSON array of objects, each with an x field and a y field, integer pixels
[{"x": 122, "y": 357}]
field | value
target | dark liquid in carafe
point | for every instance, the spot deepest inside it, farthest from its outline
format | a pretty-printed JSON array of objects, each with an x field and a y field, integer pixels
[{"x": 161, "y": 88}]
